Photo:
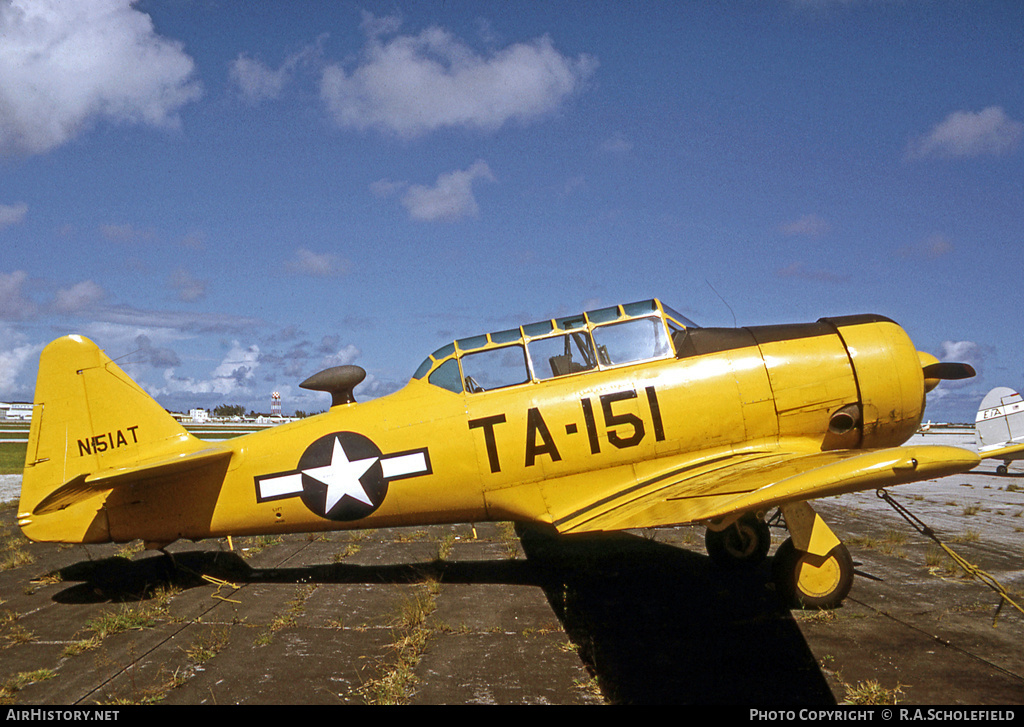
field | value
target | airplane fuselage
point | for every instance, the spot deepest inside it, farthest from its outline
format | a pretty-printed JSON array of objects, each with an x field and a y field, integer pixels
[{"x": 426, "y": 454}]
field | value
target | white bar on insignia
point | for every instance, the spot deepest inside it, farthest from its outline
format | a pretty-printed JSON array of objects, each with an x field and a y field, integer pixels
[
  {"x": 281, "y": 486},
  {"x": 403, "y": 465}
]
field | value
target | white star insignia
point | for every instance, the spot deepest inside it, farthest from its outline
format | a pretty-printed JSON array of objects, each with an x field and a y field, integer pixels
[{"x": 342, "y": 477}]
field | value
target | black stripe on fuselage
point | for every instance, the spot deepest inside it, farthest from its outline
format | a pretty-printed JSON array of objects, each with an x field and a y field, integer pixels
[{"x": 703, "y": 341}]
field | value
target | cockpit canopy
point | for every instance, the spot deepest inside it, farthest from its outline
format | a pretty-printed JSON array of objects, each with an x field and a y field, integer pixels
[{"x": 595, "y": 340}]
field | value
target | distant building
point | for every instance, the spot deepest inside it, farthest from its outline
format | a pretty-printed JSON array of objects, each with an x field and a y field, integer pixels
[
  {"x": 18, "y": 411},
  {"x": 204, "y": 417}
]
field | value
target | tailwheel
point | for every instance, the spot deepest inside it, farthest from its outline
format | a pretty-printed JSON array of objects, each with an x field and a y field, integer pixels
[
  {"x": 745, "y": 542},
  {"x": 811, "y": 581}
]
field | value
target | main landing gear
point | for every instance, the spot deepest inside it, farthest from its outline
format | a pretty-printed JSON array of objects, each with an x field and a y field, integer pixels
[
  {"x": 811, "y": 569},
  {"x": 745, "y": 542}
]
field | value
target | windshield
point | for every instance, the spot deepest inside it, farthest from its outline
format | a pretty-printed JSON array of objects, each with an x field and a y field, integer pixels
[{"x": 598, "y": 339}]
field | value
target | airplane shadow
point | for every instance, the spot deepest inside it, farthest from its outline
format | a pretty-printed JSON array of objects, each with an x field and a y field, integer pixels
[
  {"x": 655, "y": 624},
  {"x": 992, "y": 473},
  {"x": 118, "y": 579},
  {"x": 661, "y": 625}
]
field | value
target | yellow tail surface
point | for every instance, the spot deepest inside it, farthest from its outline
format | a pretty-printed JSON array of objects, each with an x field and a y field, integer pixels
[{"x": 93, "y": 430}]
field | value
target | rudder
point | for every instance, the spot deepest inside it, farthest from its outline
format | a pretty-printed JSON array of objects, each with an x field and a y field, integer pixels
[
  {"x": 88, "y": 418},
  {"x": 1000, "y": 419}
]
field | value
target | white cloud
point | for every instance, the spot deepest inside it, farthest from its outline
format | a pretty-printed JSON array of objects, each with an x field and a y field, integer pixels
[
  {"x": 181, "y": 321},
  {"x": 968, "y": 134},
  {"x": 450, "y": 198},
  {"x": 155, "y": 356},
  {"x": 967, "y": 352},
  {"x": 236, "y": 373},
  {"x": 135, "y": 347},
  {"x": 13, "y": 303},
  {"x": 258, "y": 81},
  {"x": 68, "y": 64},
  {"x": 13, "y": 361},
  {"x": 79, "y": 297},
  {"x": 962, "y": 351},
  {"x": 318, "y": 265},
  {"x": 238, "y": 369},
  {"x": 416, "y": 84},
  {"x": 386, "y": 187},
  {"x": 12, "y": 214},
  {"x": 88, "y": 296},
  {"x": 342, "y": 357}
]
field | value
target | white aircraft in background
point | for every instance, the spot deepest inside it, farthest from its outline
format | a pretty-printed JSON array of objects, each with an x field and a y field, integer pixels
[{"x": 999, "y": 427}]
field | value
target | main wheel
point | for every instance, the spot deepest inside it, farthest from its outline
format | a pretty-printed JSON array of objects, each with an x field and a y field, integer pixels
[
  {"x": 812, "y": 581},
  {"x": 745, "y": 542}
]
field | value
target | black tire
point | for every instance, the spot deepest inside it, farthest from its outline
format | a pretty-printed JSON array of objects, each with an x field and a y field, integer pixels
[
  {"x": 1002, "y": 469},
  {"x": 744, "y": 543},
  {"x": 809, "y": 581}
]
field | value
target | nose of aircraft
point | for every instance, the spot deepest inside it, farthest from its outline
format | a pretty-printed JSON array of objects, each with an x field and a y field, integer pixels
[{"x": 935, "y": 371}]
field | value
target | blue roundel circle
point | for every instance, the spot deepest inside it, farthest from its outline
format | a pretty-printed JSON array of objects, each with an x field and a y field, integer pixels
[{"x": 342, "y": 477}]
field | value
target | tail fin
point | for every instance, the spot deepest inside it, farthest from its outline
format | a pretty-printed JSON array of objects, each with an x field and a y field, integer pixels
[
  {"x": 1000, "y": 420},
  {"x": 93, "y": 428}
]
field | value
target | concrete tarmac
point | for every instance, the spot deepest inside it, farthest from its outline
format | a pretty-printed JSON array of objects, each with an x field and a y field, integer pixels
[{"x": 457, "y": 615}]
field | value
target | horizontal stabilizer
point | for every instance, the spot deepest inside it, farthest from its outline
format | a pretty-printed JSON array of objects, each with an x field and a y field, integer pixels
[
  {"x": 1007, "y": 452},
  {"x": 87, "y": 485}
]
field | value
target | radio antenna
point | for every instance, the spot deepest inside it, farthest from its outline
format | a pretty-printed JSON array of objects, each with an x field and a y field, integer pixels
[{"x": 723, "y": 301}]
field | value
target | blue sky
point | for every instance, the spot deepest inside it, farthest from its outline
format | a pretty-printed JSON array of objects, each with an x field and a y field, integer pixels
[{"x": 228, "y": 197}]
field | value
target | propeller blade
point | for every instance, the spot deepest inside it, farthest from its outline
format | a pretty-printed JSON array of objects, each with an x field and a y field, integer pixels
[{"x": 948, "y": 371}]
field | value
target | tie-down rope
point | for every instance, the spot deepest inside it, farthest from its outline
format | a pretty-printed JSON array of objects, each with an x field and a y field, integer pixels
[{"x": 972, "y": 570}]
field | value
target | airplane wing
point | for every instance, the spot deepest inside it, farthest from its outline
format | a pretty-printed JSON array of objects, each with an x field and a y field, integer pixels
[{"x": 757, "y": 480}]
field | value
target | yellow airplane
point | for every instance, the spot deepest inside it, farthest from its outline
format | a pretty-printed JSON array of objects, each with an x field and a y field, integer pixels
[
  {"x": 999, "y": 427},
  {"x": 630, "y": 416}
]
